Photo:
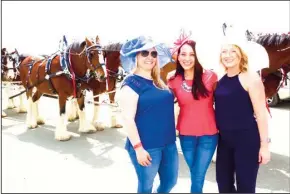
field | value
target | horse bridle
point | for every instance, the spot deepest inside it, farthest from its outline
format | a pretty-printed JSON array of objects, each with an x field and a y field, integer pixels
[
  {"x": 95, "y": 47},
  {"x": 13, "y": 60}
]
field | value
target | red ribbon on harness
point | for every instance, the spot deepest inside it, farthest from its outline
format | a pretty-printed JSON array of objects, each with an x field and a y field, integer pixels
[
  {"x": 73, "y": 75},
  {"x": 267, "y": 106}
]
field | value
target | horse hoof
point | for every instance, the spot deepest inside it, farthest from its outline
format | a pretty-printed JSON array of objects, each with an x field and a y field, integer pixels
[
  {"x": 89, "y": 128},
  {"x": 70, "y": 119},
  {"x": 118, "y": 126},
  {"x": 99, "y": 126},
  {"x": 40, "y": 122},
  {"x": 32, "y": 126},
  {"x": 22, "y": 110},
  {"x": 87, "y": 131},
  {"x": 62, "y": 137},
  {"x": 10, "y": 107},
  {"x": 3, "y": 114}
]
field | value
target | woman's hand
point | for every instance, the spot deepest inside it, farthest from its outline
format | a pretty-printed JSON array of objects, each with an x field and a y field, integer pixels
[
  {"x": 143, "y": 157},
  {"x": 170, "y": 74},
  {"x": 264, "y": 155}
]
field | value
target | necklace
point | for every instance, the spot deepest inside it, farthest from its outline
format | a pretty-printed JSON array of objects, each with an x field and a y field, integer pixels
[{"x": 186, "y": 87}]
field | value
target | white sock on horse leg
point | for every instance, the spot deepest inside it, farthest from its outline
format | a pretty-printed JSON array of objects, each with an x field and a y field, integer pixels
[
  {"x": 61, "y": 133},
  {"x": 21, "y": 108},
  {"x": 85, "y": 126}
]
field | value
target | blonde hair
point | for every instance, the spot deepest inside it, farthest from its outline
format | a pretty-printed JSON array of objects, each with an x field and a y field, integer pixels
[
  {"x": 243, "y": 66},
  {"x": 155, "y": 74}
]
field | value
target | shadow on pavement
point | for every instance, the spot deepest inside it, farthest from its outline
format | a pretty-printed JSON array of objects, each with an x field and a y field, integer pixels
[{"x": 93, "y": 152}]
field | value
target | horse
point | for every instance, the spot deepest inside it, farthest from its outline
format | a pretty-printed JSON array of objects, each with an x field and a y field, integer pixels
[
  {"x": 10, "y": 75},
  {"x": 278, "y": 49},
  {"x": 111, "y": 54},
  {"x": 64, "y": 75}
]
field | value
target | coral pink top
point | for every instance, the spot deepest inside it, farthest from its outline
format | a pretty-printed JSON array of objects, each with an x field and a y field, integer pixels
[{"x": 196, "y": 117}]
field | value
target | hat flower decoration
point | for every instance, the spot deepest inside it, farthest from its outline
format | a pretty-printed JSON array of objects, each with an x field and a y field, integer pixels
[{"x": 183, "y": 37}]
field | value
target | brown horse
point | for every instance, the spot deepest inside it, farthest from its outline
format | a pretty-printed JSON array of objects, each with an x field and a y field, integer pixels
[
  {"x": 63, "y": 75},
  {"x": 10, "y": 75},
  {"x": 278, "y": 48},
  {"x": 114, "y": 73}
]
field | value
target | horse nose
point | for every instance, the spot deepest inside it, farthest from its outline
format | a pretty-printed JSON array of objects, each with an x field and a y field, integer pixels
[{"x": 102, "y": 78}]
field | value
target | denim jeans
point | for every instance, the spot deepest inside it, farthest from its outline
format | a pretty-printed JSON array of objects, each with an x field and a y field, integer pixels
[
  {"x": 164, "y": 162},
  {"x": 198, "y": 152}
]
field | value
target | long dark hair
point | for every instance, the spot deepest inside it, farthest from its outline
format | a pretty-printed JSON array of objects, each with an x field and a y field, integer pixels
[{"x": 198, "y": 87}]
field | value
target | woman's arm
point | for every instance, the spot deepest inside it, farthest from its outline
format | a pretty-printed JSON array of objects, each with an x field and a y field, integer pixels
[
  {"x": 258, "y": 98},
  {"x": 128, "y": 103}
]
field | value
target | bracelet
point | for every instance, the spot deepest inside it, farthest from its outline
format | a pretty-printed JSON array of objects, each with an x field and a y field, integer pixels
[{"x": 137, "y": 145}]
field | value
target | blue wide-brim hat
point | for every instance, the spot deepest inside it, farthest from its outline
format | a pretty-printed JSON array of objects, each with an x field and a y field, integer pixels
[{"x": 130, "y": 49}]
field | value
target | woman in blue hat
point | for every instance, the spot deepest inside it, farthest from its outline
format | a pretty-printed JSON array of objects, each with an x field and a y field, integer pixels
[{"x": 148, "y": 114}]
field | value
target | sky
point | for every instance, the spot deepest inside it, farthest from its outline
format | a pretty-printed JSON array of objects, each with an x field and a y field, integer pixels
[{"x": 36, "y": 27}]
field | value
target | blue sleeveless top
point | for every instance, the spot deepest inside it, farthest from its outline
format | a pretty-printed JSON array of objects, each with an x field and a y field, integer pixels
[
  {"x": 155, "y": 113},
  {"x": 233, "y": 106}
]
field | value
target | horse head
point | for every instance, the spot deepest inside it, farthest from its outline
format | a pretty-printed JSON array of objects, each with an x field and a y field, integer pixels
[
  {"x": 89, "y": 57},
  {"x": 9, "y": 62},
  {"x": 114, "y": 68}
]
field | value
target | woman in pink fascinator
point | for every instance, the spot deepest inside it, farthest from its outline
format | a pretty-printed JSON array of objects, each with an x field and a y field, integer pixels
[{"x": 193, "y": 88}]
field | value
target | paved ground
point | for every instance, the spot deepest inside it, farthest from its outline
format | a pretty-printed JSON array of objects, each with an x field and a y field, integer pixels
[{"x": 32, "y": 161}]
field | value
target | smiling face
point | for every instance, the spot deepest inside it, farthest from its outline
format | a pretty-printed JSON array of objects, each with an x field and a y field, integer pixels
[
  {"x": 146, "y": 60},
  {"x": 230, "y": 56},
  {"x": 186, "y": 57}
]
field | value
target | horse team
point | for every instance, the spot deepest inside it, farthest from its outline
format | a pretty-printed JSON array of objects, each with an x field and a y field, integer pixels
[{"x": 87, "y": 65}]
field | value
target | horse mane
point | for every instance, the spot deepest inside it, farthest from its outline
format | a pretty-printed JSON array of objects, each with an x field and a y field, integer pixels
[
  {"x": 274, "y": 39},
  {"x": 77, "y": 46},
  {"x": 3, "y": 50},
  {"x": 113, "y": 47}
]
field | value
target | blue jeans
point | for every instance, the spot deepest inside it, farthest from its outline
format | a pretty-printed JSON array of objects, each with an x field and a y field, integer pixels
[
  {"x": 164, "y": 162},
  {"x": 198, "y": 152}
]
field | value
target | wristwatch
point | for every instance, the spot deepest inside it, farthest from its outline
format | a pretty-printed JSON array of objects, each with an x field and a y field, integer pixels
[{"x": 266, "y": 140}]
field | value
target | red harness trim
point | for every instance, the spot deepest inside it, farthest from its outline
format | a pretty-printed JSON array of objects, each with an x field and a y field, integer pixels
[
  {"x": 108, "y": 79},
  {"x": 267, "y": 106},
  {"x": 73, "y": 75},
  {"x": 269, "y": 111}
]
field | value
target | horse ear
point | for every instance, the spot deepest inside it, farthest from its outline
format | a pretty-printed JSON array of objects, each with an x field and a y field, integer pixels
[
  {"x": 97, "y": 39},
  {"x": 88, "y": 42},
  {"x": 174, "y": 56}
]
